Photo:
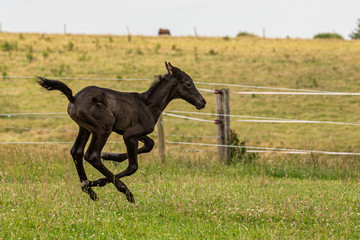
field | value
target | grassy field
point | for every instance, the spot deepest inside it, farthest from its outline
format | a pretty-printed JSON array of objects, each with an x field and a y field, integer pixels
[
  {"x": 184, "y": 199},
  {"x": 191, "y": 196}
]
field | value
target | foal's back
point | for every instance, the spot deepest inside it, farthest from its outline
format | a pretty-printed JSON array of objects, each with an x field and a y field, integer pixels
[{"x": 96, "y": 107}]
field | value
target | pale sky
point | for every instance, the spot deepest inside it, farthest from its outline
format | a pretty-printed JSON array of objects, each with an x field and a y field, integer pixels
[{"x": 280, "y": 18}]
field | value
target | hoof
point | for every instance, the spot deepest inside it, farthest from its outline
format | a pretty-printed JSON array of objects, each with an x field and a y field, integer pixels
[
  {"x": 93, "y": 195},
  {"x": 130, "y": 197},
  {"x": 85, "y": 188}
]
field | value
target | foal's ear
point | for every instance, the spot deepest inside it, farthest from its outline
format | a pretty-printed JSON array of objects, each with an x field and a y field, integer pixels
[{"x": 169, "y": 68}]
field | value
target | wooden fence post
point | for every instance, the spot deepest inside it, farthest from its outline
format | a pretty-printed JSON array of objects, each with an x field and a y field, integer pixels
[
  {"x": 223, "y": 124},
  {"x": 161, "y": 139},
  {"x": 128, "y": 32}
]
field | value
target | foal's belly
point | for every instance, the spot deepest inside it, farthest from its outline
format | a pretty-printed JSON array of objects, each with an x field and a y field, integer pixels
[{"x": 123, "y": 121}]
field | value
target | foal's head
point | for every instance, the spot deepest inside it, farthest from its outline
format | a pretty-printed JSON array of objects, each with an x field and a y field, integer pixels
[{"x": 184, "y": 87}]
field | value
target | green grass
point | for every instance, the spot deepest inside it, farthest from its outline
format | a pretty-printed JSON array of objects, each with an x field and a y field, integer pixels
[
  {"x": 192, "y": 196},
  {"x": 183, "y": 199}
]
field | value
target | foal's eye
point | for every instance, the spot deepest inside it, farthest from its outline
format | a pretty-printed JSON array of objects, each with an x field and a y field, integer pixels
[{"x": 188, "y": 84}]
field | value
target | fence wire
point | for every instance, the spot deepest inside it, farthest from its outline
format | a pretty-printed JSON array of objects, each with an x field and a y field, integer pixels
[
  {"x": 259, "y": 119},
  {"x": 309, "y": 91},
  {"x": 286, "y": 91},
  {"x": 80, "y": 78},
  {"x": 252, "y": 148},
  {"x": 299, "y": 93},
  {"x": 294, "y": 151},
  {"x": 75, "y": 130},
  {"x": 47, "y": 142},
  {"x": 256, "y": 119}
]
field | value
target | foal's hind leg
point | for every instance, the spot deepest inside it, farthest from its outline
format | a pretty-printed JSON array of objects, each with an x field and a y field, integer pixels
[
  {"x": 77, "y": 152},
  {"x": 92, "y": 155},
  {"x": 120, "y": 157}
]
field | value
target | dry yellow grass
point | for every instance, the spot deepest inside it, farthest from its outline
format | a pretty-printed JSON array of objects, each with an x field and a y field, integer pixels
[{"x": 330, "y": 65}]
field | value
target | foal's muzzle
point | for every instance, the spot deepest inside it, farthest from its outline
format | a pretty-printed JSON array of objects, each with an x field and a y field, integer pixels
[{"x": 201, "y": 105}]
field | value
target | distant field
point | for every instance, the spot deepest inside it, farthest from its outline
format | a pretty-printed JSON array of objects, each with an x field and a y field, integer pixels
[
  {"x": 192, "y": 196},
  {"x": 330, "y": 65}
]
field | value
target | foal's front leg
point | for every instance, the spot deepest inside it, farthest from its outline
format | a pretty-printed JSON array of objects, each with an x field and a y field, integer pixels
[
  {"x": 131, "y": 138},
  {"x": 120, "y": 157},
  {"x": 131, "y": 146}
]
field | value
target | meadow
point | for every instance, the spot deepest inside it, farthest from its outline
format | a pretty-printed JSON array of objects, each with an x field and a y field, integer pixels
[{"x": 191, "y": 195}]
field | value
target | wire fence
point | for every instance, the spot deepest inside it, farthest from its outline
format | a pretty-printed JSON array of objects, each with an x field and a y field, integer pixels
[
  {"x": 188, "y": 118},
  {"x": 76, "y": 130},
  {"x": 46, "y": 142},
  {"x": 299, "y": 93},
  {"x": 248, "y": 148},
  {"x": 292, "y": 91},
  {"x": 283, "y": 150},
  {"x": 30, "y": 114},
  {"x": 40, "y": 129},
  {"x": 255, "y": 118},
  {"x": 80, "y": 78},
  {"x": 171, "y": 113}
]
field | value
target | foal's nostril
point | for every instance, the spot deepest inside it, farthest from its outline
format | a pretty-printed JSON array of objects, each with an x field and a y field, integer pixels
[
  {"x": 200, "y": 103},
  {"x": 204, "y": 102}
]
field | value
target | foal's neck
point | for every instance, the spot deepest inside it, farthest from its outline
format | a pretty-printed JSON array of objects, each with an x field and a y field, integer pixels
[{"x": 160, "y": 97}]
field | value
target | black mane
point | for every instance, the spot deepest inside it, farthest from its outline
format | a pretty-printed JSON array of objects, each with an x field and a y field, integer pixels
[
  {"x": 153, "y": 86},
  {"x": 177, "y": 73}
]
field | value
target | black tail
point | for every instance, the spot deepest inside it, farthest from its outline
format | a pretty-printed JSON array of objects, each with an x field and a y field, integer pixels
[{"x": 56, "y": 85}]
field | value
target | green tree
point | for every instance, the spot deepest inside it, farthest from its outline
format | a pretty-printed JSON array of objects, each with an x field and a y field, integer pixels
[
  {"x": 356, "y": 33},
  {"x": 328, "y": 35}
]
